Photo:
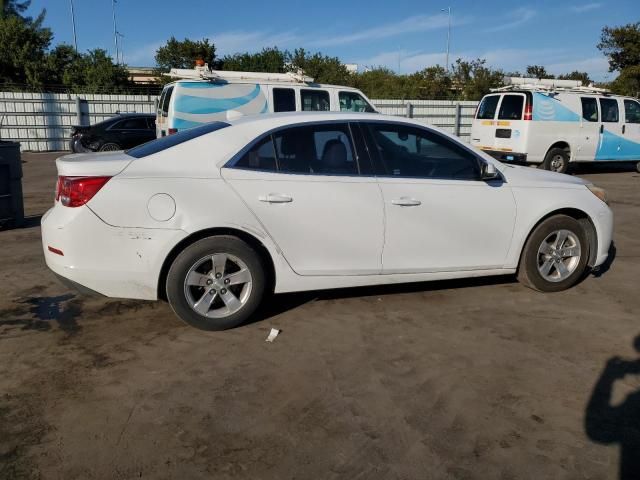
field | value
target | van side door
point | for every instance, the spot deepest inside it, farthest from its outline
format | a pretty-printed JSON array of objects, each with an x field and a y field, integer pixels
[
  {"x": 588, "y": 140},
  {"x": 609, "y": 146},
  {"x": 631, "y": 130}
]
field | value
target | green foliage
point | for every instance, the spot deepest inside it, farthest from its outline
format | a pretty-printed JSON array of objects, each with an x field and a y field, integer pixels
[
  {"x": 473, "y": 79},
  {"x": 95, "y": 72},
  {"x": 628, "y": 82},
  {"x": 538, "y": 71},
  {"x": 322, "y": 68},
  {"x": 14, "y": 8},
  {"x": 621, "y": 45},
  {"x": 268, "y": 60},
  {"x": 24, "y": 45},
  {"x": 576, "y": 75},
  {"x": 183, "y": 54}
]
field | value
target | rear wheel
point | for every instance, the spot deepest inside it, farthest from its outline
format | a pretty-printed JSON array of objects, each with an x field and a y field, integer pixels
[
  {"x": 555, "y": 255},
  {"x": 556, "y": 160},
  {"x": 110, "y": 147},
  {"x": 216, "y": 283}
]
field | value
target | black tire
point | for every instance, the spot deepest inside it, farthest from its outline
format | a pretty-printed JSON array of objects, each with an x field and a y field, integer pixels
[
  {"x": 556, "y": 160},
  {"x": 110, "y": 147},
  {"x": 528, "y": 272},
  {"x": 638, "y": 167},
  {"x": 223, "y": 244}
]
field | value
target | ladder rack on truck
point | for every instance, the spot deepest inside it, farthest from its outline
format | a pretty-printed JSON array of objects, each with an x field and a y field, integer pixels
[
  {"x": 230, "y": 76},
  {"x": 549, "y": 85}
]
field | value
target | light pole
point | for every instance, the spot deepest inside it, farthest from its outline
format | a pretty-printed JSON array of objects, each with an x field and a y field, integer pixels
[
  {"x": 115, "y": 30},
  {"x": 73, "y": 22},
  {"x": 448, "y": 10}
]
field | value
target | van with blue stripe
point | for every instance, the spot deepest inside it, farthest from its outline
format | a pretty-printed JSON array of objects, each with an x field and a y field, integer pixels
[
  {"x": 202, "y": 95},
  {"x": 551, "y": 123}
]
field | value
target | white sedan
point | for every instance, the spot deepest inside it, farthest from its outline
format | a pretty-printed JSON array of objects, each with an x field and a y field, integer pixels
[{"x": 215, "y": 217}]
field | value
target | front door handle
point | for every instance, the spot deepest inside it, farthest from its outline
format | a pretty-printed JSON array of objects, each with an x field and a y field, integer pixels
[
  {"x": 276, "y": 198},
  {"x": 601, "y": 128},
  {"x": 406, "y": 202},
  {"x": 623, "y": 128}
]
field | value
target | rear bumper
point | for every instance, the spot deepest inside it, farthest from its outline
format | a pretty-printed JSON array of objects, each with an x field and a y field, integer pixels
[
  {"x": 99, "y": 258},
  {"x": 508, "y": 157}
]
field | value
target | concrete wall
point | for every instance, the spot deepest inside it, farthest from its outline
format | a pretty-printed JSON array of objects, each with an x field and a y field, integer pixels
[{"x": 42, "y": 121}]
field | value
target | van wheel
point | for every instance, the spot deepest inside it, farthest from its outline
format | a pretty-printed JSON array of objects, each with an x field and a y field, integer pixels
[
  {"x": 556, "y": 160},
  {"x": 555, "y": 255}
]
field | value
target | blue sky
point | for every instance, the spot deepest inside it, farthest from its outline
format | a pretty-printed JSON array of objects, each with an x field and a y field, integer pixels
[{"x": 405, "y": 34}]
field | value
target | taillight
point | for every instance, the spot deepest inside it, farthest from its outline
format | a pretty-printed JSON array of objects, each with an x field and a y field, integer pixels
[
  {"x": 76, "y": 191},
  {"x": 172, "y": 131},
  {"x": 528, "y": 112}
]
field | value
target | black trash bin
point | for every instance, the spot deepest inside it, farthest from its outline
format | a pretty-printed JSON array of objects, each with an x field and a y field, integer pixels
[{"x": 11, "y": 201}]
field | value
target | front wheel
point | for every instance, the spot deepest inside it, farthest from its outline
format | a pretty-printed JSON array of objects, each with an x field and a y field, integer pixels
[
  {"x": 555, "y": 255},
  {"x": 216, "y": 283}
]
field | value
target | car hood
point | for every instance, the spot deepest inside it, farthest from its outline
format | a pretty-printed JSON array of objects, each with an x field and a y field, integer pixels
[
  {"x": 518, "y": 176},
  {"x": 93, "y": 164}
]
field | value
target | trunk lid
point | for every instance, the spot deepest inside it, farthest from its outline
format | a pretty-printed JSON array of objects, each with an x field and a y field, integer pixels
[{"x": 93, "y": 164}]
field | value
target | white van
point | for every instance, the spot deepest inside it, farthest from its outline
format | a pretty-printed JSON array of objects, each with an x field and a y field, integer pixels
[
  {"x": 554, "y": 122},
  {"x": 203, "y": 95}
]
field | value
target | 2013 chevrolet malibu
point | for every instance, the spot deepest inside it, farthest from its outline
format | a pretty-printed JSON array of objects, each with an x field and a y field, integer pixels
[{"x": 215, "y": 217}]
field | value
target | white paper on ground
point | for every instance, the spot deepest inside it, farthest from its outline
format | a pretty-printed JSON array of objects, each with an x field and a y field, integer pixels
[{"x": 272, "y": 335}]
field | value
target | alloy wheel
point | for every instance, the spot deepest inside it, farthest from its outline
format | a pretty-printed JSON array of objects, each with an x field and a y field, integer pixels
[{"x": 559, "y": 255}]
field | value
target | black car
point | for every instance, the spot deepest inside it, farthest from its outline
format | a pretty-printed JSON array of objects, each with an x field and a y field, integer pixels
[{"x": 117, "y": 133}]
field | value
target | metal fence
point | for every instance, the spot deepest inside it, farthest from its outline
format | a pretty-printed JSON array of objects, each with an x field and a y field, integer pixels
[{"x": 42, "y": 121}]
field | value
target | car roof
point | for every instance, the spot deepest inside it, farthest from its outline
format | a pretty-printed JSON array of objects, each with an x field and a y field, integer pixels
[
  {"x": 269, "y": 82},
  {"x": 295, "y": 117}
]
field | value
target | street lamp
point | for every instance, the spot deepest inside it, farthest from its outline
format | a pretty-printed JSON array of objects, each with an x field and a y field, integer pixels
[
  {"x": 448, "y": 10},
  {"x": 73, "y": 22}
]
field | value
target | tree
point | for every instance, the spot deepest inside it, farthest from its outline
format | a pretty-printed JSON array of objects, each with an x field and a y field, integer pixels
[
  {"x": 621, "y": 45},
  {"x": 628, "y": 82},
  {"x": 95, "y": 72},
  {"x": 24, "y": 45},
  {"x": 538, "y": 71},
  {"x": 183, "y": 54},
  {"x": 268, "y": 60},
  {"x": 58, "y": 61},
  {"x": 15, "y": 8},
  {"x": 576, "y": 75},
  {"x": 431, "y": 83},
  {"x": 472, "y": 79},
  {"x": 322, "y": 68}
]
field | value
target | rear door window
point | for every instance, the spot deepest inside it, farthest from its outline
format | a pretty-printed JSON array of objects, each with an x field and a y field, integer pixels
[
  {"x": 609, "y": 109},
  {"x": 589, "y": 109},
  {"x": 631, "y": 111},
  {"x": 131, "y": 124},
  {"x": 488, "y": 107},
  {"x": 511, "y": 107},
  {"x": 315, "y": 100},
  {"x": 262, "y": 156},
  {"x": 284, "y": 100}
]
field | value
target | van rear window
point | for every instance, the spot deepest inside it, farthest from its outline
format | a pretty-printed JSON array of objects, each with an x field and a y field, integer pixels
[
  {"x": 159, "y": 144},
  {"x": 511, "y": 107},
  {"x": 487, "y": 108}
]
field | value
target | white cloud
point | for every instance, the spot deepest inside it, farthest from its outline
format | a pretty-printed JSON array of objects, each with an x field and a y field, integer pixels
[
  {"x": 513, "y": 19},
  {"x": 585, "y": 7},
  {"x": 417, "y": 23}
]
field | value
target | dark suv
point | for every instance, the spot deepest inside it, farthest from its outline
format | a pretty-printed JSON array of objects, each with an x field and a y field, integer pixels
[{"x": 117, "y": 133}]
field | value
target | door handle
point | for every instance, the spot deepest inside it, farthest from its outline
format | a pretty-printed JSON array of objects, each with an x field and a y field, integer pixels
[
  {"x": 624, "y": 127},
  {"x": 276, "y": 198},
  {"x": 406, "y": 202},
  {"x": 601, "y": 128}
]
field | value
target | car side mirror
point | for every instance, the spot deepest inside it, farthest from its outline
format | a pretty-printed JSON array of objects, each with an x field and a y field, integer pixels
[{"x": 489, "y": 172}]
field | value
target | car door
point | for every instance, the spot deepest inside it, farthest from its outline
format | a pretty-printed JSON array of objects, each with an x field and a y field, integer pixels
[
  {"x": 439, "y": 215},
  {"x": 130, "y": 132},
  {"x": 303, "y": 183},
  {"x": 589, "y": 136},
  {"x": 631, "y": 130},
  {"x": 609, "y": 145}
]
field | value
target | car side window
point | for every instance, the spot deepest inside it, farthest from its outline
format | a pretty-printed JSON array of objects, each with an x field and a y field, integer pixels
[
  {"x": 151, "y": 123},
  {"x": 316, "y": 149},
  {"x": 261, "y": 156},
  {"x": 407, "y": 151},
  {"x": 284, "y": 100},
  {"x": 315, "y": 100},
  {"x": 353, "y": 102},
  {"x": 488, "y": 107},
  {"x": 511, "y": 107},
  {"x": 589, "y": 109},
  {"x": 609, "y": 109},
  {"x": 631, "y": 111},
  {"x": 130, "y": 124}
]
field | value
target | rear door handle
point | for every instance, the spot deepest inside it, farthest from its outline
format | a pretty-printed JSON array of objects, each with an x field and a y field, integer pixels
[
  {"x": 623, "y": 129},
  {"x": 276, "y": 198},
  {"x": 406, "y": 202}
]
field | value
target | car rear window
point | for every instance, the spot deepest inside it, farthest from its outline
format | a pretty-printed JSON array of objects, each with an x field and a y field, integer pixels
[
  {"x": 159, "y": 144},
  {"x": 487, "y": 108},
  {"x": 511, "y": 107}
]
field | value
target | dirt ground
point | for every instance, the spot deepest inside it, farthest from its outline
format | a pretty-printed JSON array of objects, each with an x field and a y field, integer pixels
[{"x": 477, "y": 379}]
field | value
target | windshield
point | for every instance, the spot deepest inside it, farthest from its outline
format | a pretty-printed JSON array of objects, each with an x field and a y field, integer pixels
[{"x": 159, "y": 144}]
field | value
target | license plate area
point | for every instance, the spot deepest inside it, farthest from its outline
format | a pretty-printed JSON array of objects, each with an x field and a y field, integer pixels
[{"x": 503, "y": 133}]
